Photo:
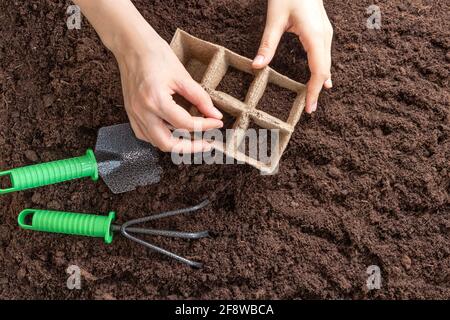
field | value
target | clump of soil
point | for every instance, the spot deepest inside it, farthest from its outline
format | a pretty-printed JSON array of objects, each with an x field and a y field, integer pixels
[
  {"x": 235, "y": 83},
  {"x": 277, "y": 101},
  {"x": 364, "y": 181}
]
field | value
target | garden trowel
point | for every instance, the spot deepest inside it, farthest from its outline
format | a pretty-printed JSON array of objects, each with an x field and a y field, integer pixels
[{"x": 120, "y": 159}]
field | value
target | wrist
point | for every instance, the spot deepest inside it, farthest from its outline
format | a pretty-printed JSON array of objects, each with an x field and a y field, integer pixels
[{"x": 132, "y": 40}]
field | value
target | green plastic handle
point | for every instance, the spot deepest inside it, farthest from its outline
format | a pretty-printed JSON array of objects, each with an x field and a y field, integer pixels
[
  {"x": 44, "y": 174},
  {"x": 81, "y": 224}
]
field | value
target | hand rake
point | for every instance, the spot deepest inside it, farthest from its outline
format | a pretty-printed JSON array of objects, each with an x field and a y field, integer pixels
[{"x": 102, "y": 227}]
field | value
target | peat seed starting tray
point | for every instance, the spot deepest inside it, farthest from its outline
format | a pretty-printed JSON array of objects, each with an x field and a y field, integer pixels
[{"x": 208, "y": 63}]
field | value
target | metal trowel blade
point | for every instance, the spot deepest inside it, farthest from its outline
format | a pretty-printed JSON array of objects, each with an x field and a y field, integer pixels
[{"x": 125, "y": 162}]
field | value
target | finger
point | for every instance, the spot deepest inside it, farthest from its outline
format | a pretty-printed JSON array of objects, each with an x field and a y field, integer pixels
[
  {"x": 184, "y": 145},
  {"x": 138, "y": 132},
  {"x": 319, "y": 66},
  {"x": 181, "y": 119},
  {"x": 328, "y": 84},
  {"x": 314, "y": 86},
  {"x": 194, "y": 92},
  {"x": 275, "y": 27},
  {"x": 160, "y": 136}
]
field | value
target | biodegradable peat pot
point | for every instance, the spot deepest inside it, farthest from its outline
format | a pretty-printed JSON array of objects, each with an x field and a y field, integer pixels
[{"x": 208, "y": 63}]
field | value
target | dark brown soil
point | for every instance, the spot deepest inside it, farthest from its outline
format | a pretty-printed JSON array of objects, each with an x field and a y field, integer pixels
[{"x": 365, "y": 180}]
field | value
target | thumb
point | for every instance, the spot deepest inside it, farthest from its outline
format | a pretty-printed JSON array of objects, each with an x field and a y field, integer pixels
[
  {"x": 272, "y": 34},
  {"x": 195, "y": 94}
]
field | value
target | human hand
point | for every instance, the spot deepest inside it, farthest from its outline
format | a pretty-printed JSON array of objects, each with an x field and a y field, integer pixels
[
  {"x": 151, "y": 74},
  {"x": 309, "y": 21}
]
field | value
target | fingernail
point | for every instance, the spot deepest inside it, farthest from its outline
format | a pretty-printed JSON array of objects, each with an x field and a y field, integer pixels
[
  {"x": 259, "y": 59},
  {"x": 313, "y": 107},
  {"x": 329, "y": 83},
  {"x": 217, "y": 113}
]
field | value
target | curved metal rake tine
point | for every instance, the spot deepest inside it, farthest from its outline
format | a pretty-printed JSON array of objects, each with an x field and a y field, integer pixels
[{"x": 125, "y": 229}]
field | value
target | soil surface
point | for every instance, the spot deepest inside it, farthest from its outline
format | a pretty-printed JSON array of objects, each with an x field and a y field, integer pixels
[
  {"x": 364, "y": 181},
  {"x": 277, "y": 101}
]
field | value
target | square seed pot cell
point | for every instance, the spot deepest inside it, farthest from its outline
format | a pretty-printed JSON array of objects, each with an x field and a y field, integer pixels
[
  {"x": 236, "y": 83},
  {"x": 277, "y": 101},
  {"x": 195, "y": 54},
  {"x": 243, "y": 100},
  {"x": 261, "y": 144}
]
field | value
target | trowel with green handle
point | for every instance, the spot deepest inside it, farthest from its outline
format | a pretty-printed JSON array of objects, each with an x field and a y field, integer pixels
[{"x": 120, "y": 159}]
